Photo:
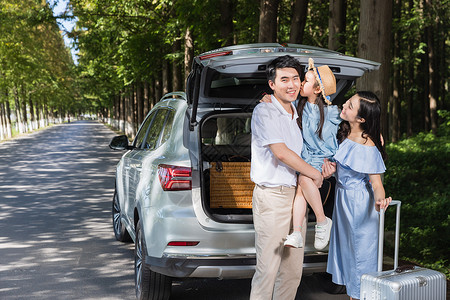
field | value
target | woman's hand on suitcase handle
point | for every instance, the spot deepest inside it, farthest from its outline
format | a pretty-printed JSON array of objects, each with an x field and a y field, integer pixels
[{"x": 382, "y": 203}]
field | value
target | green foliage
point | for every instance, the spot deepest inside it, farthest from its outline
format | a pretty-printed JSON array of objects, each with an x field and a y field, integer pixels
[
  {"x": 417, "y": 174},
  {"x": 35, "y": 64}
]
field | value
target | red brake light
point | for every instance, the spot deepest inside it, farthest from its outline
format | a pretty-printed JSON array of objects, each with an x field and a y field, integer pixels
[
  {"x": 182, "y": 244},
  {"x": 175, "y": 178},
  {"x": 215, "y": 54}
]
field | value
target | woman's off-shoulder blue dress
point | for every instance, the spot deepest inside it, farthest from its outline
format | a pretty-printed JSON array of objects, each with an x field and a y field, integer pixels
[{"x": 354, "y": 235}]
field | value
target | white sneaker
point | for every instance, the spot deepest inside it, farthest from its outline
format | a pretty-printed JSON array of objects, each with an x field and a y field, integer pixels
[
  {"x": 294, "y": 240},
  {"x": 322, "y": 236}
]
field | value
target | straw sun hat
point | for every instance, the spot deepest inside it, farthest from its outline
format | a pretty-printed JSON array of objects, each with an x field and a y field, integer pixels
[{"x": 325, "y": 78}]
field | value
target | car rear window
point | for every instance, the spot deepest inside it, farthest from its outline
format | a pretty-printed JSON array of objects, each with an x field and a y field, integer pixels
[{"x": 237, "y": 86}]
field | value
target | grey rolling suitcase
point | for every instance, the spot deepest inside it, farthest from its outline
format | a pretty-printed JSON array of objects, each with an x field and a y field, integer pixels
[{"x": 402, "y": 283}]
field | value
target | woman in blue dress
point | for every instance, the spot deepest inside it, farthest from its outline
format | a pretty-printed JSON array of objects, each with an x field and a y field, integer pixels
[{"x": 359, "y": 193}]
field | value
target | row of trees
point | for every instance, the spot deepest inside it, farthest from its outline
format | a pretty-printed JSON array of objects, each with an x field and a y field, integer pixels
[
  {"x": 37, "y": 74},
  {"x": 133, "y": 51}
]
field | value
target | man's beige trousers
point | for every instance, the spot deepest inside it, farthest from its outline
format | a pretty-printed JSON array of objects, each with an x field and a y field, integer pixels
[{"x": 278, "y": 268}]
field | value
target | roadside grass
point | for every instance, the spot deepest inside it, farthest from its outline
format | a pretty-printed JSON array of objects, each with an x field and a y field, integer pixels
[{"x": 418, "y": 175}]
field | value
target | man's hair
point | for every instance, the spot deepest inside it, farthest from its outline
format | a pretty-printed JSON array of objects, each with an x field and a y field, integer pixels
[{"x": 285, "y": 61}]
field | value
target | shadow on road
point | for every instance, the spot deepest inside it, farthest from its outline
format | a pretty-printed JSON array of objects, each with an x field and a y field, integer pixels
[
  {"x": 57, "y": 240},
  {"x": 55, "y": 213}
]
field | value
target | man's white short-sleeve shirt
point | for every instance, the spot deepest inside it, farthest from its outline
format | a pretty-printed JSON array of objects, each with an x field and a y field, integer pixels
[{"x": 272, "y": 124}]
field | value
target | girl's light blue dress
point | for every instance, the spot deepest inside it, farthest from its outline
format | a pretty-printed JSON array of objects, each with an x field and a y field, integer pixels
[
  {"x": 316, "y": 149},
  {"x": 354, "y": 235}
]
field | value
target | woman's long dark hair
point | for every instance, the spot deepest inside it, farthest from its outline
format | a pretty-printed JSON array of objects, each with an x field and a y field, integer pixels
[
  {"x": 370, "y": 111},
  {"x": 320, "y": 103}
]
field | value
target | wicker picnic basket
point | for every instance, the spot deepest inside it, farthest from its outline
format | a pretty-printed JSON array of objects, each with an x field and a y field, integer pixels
[{"x": 230, "y": 185}]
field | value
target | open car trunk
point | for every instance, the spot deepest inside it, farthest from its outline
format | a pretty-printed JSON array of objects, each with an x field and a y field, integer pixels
[
  {"x": 226, "y": 155},
  {"x": 229, "y": 82}
]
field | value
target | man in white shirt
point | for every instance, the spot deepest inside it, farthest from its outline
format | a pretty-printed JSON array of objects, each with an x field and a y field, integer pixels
[{"x": 276, "y": 148}]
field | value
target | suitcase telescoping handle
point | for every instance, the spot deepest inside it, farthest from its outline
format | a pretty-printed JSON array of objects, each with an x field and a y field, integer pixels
[{"x": 381, "y": 236}]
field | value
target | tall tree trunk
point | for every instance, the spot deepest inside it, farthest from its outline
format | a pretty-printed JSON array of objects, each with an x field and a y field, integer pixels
[
  {"x": 298, "y": 21},
  {"x": 19, "y": 121},
  {"x": 23, "y": 102},
  {"x": 396, "y": 93},
  {"x": 146, "y": 98},
  {"x": 374, "y": 44},
  {"x": 226, "y": 22},
  {"x": 32, "y": 114},
  {"x": 158, "y": 88},
  {"x": 8, "y": 119},
  {"x": 268, "y": 21},
  {"x": 152, "y": 94},
  {"x": 123, "y": 105},
  {"x": 431, "y": 66},
  {"x": 134, "y": 114},
  {"x": 2, "y": 122},
  {"x": 165, "y": 77},
  {"x": 176, "y": 68},
  {"x": 336, "y": 24},
  {"x": 188, "y": 54},
  {"x": 410, "y": 80},
  {"x": 140, "y": 103}
]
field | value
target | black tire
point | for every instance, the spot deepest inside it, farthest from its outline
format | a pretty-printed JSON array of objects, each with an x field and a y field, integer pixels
[
  {"x": 120, "y": 231},
  {"x": 149, "y": 285}
]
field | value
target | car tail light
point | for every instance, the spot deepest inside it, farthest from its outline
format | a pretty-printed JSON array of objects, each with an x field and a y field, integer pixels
[
  {"x": 175, "y": 178},
  {"x": 215, "y": 54},
  {"x": 181, "y": 243}
]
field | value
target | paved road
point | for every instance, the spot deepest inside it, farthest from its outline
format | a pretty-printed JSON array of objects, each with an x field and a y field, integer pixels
[{"x": 56, "y": 239}]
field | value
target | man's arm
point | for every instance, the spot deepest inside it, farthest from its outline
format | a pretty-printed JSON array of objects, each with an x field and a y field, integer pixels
[{"x": 290, "y": 158}]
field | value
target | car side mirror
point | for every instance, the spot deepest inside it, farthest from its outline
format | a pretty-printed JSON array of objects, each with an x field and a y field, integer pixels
[{"x": 119, "y": 143}]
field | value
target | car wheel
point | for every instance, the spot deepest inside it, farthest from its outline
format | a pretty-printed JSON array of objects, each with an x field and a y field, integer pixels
[
  {"x": 120, "y": 231},
  {"x": 148, "y": 284}
]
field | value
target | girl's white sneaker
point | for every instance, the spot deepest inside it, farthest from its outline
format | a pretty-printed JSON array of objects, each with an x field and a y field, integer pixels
[
  {"x": 322, "y": 236},
  {"x": 294, "y": 240}
]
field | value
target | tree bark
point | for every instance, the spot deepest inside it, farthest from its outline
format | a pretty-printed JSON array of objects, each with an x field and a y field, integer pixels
[
  {"x": 32, "y": 114},
  {"x": 226, "y": 22},
  {"x": 410, "y": 80},
  {"x": 140, "y": 103},
  {"x": 165, "y": 77},
  {"x": 298, "y": 21},
  {"x": 2, "y": 122},
  {"x": 19, "y": 121},
  {"x": 336, "y": 24},
  {"x": 146, "y": 98},
  {"x": 431, "y": 67},
  {"x": 188, "y": 54},
  {"x": 8, "y": 119},
  {"x": 374, "y": 43},
  {"x": 268, "y": 21},
  {"x": 397, "y": 90},
  {"x": 158, "y": 89},
  {"x": 176, "y": 68}
]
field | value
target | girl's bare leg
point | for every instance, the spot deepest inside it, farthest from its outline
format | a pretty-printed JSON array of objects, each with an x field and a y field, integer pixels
[
  {"x": 295, "y": 239},
  {"x": 298, "y": 210},
  {"x": 312, "y": 196},
  {"x": 323, "y": 225}
]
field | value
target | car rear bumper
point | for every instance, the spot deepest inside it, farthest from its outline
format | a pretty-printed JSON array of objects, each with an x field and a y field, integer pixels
[{"x": 222, "y": 267}]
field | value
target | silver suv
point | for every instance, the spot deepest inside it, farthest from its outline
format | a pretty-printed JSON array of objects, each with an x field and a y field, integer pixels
[{"x": 183, "y": 190}]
